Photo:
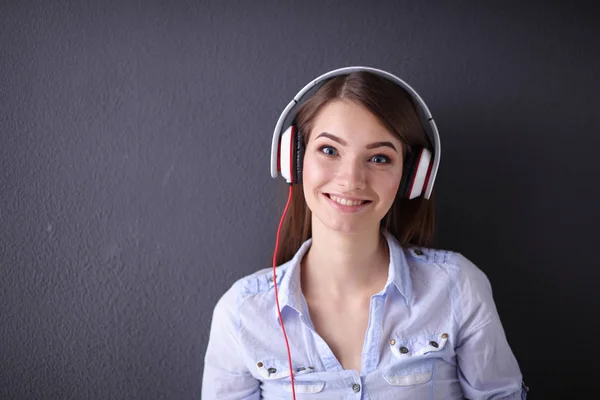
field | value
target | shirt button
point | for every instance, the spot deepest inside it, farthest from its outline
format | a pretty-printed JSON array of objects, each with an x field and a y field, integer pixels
[
  {"x": 444, "y": 336},
  {"x": 356, "y": 387},
  {"x": 403, "y": 350},
  {"x": 434, "y": 344},
  {"x": 272, "y": 370}
]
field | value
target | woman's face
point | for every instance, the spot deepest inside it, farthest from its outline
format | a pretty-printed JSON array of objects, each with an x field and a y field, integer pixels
[{"x": 352, "y": 168}]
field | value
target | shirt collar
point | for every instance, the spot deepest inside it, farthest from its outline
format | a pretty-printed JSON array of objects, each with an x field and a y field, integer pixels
[
  {"x": 398, "y": 273},
  {"x": 289, "y": 289}
]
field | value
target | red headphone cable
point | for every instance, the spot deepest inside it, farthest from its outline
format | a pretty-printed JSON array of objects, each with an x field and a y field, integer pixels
[{"x": 276, "y": 293}]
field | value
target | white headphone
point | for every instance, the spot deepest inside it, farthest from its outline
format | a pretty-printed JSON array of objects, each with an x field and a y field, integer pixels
[{"x": 287, "y": 148}]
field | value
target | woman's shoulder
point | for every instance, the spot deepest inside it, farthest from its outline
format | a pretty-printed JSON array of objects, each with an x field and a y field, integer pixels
[
  {"x": 452, "y": 262},
  {"x": 260, "y": 281},
  {"x": 250, "y": 290}
]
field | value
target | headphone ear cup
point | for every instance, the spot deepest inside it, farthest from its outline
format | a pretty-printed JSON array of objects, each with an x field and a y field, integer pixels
[
  {"x": 407, "y": 175},
  {"x": 298, "y": 155},
  {"x": 286, "y": 158},
  {"x": 417, "y": 168},
  {"x": 420, "y": 174}
]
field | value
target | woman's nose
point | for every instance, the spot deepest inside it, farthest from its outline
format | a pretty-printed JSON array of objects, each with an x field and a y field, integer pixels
[{"x": 352, "y": 175}]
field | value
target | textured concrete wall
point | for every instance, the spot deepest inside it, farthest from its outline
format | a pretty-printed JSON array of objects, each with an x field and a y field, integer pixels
[{"x": 135, "y": 187}]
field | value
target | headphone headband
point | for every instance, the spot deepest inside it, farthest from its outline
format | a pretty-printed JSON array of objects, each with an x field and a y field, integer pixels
[{"x": 424, "y": 115}]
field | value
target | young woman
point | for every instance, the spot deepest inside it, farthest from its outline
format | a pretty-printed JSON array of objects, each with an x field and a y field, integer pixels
[{"x": 366, "y": 307}]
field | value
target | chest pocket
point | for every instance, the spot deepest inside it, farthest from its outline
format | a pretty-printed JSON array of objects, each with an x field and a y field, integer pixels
[
  {"x": 275, "y": 375},
  {"x": 414, "y": 358}
]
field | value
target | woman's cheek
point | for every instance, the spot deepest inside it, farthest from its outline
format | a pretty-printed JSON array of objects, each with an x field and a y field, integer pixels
[
  {"x": 390, "y": 185},
  {"x": 314, "y": 170},
  {"x": 307, "y": 169}
]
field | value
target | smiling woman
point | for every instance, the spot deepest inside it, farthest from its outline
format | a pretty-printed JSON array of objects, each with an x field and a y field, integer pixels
[
  {"x": 350, "y": 179},
  {"x": 343, "y": 110},
  {"x": 372, "y": 311}
]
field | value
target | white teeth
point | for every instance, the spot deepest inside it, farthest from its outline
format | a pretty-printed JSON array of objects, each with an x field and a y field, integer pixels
[{"x": 346, "y": 202}]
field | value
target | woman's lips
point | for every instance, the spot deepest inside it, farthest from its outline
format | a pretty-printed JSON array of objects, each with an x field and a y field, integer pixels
[{"x": 346, "y": 204}]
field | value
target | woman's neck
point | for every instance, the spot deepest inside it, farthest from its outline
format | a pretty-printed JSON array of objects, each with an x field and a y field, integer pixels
[{"x": 342, "y": 266}]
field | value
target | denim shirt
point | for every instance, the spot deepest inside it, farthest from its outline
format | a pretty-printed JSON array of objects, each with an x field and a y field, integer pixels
[{"x": 433, "y": 333}]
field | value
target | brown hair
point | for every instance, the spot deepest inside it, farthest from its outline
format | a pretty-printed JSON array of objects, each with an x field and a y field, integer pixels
[{"x": 410, "y": 221}]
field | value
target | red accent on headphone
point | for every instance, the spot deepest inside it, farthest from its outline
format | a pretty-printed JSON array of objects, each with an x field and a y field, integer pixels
[
  {"x": 428, "y": 175},
  {"x": 414, "y": 174}
]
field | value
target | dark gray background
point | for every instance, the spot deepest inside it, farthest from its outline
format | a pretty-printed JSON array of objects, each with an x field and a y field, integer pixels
[{"x": 135, "y": 186}]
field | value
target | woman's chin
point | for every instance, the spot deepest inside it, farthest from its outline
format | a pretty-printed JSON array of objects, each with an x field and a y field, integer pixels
[{"x": 345, "y": 227}]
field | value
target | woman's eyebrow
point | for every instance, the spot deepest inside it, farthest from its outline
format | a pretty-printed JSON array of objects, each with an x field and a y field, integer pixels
[
  {"x": 381, "y": 144},
  {"x": 332, "y": 137},
  {"x": 369, "y": 146}
]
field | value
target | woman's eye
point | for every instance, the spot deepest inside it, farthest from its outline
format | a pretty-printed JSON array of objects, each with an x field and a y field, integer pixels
[
  {"x": 328, "y": 150},
  {"x": 380, "y": 159}
]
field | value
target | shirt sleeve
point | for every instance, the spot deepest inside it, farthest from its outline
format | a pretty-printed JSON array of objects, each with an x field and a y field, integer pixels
[
  {"x": 226, "y": 376},
  {"x": 487, "y": 368}
]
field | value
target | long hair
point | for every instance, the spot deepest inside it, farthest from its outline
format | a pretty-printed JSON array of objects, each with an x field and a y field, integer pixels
[{"x": 409, "y": 221}]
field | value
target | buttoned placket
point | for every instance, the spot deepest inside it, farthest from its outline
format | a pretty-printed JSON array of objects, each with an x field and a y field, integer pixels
[
  {"x": 370, "y": 350},
  {"x": 373, "y": 335}
]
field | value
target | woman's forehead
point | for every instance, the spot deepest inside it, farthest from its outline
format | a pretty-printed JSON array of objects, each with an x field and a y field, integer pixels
[{"x": 351, "y": 121}]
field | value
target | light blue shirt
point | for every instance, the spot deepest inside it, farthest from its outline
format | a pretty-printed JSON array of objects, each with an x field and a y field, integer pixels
[{"x": 433, "y": 333}]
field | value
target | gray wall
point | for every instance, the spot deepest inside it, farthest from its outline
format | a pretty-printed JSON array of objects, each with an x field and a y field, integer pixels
[{"x": 135, "y": 186}]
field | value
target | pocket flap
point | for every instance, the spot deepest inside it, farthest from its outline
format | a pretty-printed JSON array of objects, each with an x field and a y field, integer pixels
[
  {"x": 418, "y": 345},
  {"x": 277, "y": 369}
]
